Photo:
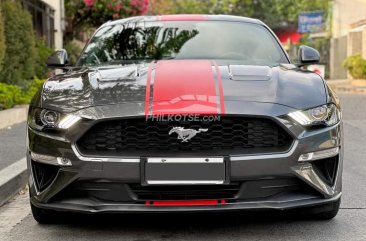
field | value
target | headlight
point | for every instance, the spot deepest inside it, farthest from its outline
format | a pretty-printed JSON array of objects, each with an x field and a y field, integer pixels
[
  {"x": 327, "y": 115},
  {"x": 49, "y": 118},
  {"x": 41, "y": 119}
]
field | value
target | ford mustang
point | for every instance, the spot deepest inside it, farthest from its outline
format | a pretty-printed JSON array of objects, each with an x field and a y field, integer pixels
[{"x": 184, "y": 113}]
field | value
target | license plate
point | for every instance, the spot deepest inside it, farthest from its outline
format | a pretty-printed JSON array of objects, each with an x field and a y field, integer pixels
[{"x": 184, "y": 171}]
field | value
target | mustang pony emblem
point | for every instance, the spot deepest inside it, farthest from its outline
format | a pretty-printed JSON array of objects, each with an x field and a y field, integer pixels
[{"x": 186, "y": 134}]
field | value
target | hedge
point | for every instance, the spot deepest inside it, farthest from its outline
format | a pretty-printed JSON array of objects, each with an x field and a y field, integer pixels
[
  {"x": 73, "y": 51},
  {"x": 356, "y": 65},
  {"x": 2, "y": 40},
  {"x": 20, "y": 52},
  {"x": 11, "y": 95},
  {"x": 43, "y": 52}
]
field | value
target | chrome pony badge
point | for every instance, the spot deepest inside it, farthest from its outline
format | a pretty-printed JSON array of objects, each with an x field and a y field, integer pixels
[{"x": 186, "y": 134}]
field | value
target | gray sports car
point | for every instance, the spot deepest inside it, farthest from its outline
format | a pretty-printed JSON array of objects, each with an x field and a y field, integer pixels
[{"x": 184, "y": 113}]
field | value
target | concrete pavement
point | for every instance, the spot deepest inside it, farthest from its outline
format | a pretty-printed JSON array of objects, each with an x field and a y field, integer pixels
[{"x": 348, "y": 225}]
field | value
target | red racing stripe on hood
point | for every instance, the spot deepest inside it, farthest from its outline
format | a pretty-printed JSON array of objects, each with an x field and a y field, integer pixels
[
  {"x": 219, "y": 86},
  {"x": 184, "y": 87}
]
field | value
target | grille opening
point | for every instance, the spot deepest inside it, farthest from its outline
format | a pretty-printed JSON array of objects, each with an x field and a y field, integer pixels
[
  {"x": 192, "y": 192},
  {"x": 229, "y": 135},
  {"x": 248, "y": 190},
  {"x": 327, "y": 169},
  {"x": 43, "y": 174},
  {"x": 109, "y": 191}
]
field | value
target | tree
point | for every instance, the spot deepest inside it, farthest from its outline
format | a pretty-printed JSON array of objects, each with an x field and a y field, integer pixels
[
  {"x": 20, "y": 52},
  {"x": 193, "y": 6},
  {"x": 93, "y": 13},
  {"x": 275, "y": 13},
  {"x": 42, "y": 53},
  {"x": 2, "y": 40}
]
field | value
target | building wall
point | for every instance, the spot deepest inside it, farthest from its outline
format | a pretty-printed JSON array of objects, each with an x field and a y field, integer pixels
[
  {"x": 346, "y": 12},
  {"x": 338, "y": 53},
  {"x": 59, "y": 17},
  {"x": 364, "y": 43},
  {"x": 346, "y": 39}
]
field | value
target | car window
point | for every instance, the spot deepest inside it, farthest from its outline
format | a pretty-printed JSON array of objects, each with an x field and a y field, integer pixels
[{"x": 233, "y": 42}]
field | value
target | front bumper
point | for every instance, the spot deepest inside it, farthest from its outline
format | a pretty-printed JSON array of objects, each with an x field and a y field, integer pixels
[
  {"x": 90, "y": 206},
  {"x": 259, "y": 176}
]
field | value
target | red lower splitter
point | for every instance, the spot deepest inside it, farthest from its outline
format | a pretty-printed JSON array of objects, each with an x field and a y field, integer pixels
[{"x": 186, "y": 203}]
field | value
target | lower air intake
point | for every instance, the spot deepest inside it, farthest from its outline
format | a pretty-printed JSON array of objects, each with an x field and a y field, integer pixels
[{"x": 43, "y": 174}]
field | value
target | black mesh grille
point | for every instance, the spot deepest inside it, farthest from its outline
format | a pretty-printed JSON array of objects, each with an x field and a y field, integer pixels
[
  {"x": 229, "y": 135},
  {"x": 185, "y": 192}
]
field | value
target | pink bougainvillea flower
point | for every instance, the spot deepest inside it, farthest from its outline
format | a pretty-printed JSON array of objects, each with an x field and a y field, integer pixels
[
  {"x": 134, "y": 3},
  {"x": 89, "y": 3},
  {"x": 118, "y": 7},
  {"x": 140, "y": 5},
  {"x": 145, "y": 6},
  {"x": 115, "y": 16}
]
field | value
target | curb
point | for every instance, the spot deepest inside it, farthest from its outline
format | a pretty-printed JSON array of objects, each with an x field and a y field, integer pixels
[
  {"x": 13, "y": 116},
  {"x": 338, "y": 81},
  {"x": 12, "y": 179},
  {"x": 348, "y": 86}
]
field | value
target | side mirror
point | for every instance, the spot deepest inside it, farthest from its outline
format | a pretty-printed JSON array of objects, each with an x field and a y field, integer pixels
[
  {"x": 308, "y": 55},
  {"x": 58, "y": 59}
]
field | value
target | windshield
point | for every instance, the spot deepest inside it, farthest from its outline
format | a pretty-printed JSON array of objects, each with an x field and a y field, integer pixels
[{"x": 232, "y": 42}]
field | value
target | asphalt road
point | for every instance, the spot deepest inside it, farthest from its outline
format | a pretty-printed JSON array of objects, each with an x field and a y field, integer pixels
[
  {"x": 12, "y": 144},
  {"x": 17, "y": 224}
]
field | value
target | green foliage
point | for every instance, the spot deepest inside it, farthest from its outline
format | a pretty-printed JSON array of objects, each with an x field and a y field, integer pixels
[
  {"x": 196, "y": 6},
  {"x": 2, "y": 40},
  {"x": 73, "y": 50},
  {"x": 11, "y": 95},
  {"x": 275, "y": 13},
  {"x": 43, "y": 52},
  {"x": 20, "y": 54},
  {"x": 30, "y": 91},
  {"x": 356, "y": 65},
  {"x": 93, "y": 13}
]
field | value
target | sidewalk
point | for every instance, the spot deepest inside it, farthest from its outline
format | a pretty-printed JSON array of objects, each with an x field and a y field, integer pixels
[{"x": 348, "y": 86}]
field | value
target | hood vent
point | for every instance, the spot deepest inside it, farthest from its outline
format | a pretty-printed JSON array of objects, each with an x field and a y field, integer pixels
[{"x": 250, "y": 73}]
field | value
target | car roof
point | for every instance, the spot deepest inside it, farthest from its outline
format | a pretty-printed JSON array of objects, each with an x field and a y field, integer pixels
[{"x": 184, "y": 17}]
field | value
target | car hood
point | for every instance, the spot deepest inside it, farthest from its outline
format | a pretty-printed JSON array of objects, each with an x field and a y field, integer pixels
[{"x": 182, "y": 86}]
